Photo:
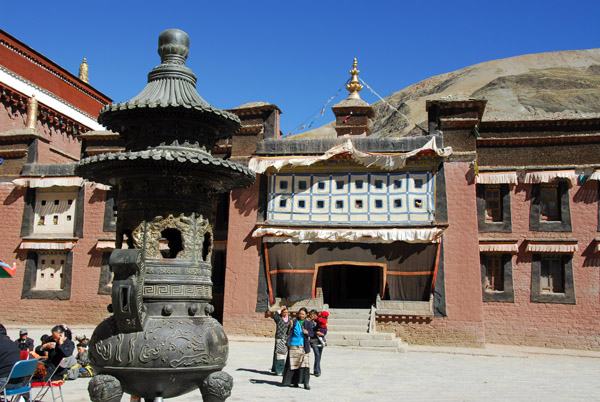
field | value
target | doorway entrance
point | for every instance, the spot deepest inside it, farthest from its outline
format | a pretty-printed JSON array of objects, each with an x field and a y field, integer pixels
[{"x": 350, "y": 286}]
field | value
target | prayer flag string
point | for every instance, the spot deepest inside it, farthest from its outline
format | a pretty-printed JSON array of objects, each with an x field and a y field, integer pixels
[
  {"x": 317, "y": 114},
  {"x": 391, "y": 106}
]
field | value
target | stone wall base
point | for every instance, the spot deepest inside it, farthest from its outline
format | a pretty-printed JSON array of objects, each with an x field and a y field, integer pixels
[{"x": 434, "y": 331}]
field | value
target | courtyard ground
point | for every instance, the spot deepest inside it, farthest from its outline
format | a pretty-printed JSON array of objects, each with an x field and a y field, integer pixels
[{"x": 497, "y": 373}]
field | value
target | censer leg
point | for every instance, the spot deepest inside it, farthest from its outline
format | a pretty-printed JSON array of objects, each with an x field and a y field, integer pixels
[
  {"x": 216, "y": 387},
  {"x": 105, "y": 388}
]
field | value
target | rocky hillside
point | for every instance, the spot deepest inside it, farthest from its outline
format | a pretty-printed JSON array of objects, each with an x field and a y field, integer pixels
[{"x": 533, "y": 86}]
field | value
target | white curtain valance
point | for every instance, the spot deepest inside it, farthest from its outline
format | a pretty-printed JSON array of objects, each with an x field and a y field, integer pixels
[
  {"x": 498, "y": 247},
  {"x": 552, "y": 247},
  {"x": 101, "y": 186},
  {"x": 105, "y": 245},
  {"x": 46, "y": 245},
  {"x": 45, "y": 182},
  {"x": 595, "y": 175},
  {"x": 548, "y": 176},
  {"x": 497, "y": 178},
  {"x": 308, "y": 235},
  {"x": 386, "y": 161}
]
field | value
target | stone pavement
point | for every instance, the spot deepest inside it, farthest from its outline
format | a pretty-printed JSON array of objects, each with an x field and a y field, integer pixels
[{"x": 496, "y": 373}]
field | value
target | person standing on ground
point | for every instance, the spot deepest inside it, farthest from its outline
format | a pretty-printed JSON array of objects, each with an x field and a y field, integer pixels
[
  {"x": 24, "y": 342},
  {"x": 315, "y": 342},
  {"x": 282, "y": 321},
  {"x": 297, "y": 364}
]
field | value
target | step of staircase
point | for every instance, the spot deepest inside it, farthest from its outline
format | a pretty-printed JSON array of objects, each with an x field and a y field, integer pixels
[
  {"x": 349, "y": 328},
  {"x": 341, "y": 336},
  {"x": 349, "y": 321}
]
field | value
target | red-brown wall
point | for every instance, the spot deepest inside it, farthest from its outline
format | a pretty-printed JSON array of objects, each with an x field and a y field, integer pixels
[
  {"x": 546, "y": 324},
  {"x": 463, "y": 325},
  {"x": 85, "y": 306},
  {"x": 243, "y": 261}
]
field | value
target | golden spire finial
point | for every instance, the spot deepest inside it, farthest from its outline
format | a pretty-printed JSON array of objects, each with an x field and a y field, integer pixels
[
  {"x": 354, "y": 86},
  {"x": 83, "y": 71}
]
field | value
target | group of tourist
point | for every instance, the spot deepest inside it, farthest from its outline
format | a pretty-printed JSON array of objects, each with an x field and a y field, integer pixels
[
  {"x": 294, "y": 340},
  {"x": 53, "y": 349}
]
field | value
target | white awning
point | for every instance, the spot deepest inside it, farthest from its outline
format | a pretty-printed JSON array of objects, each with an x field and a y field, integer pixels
[
  {"x": 105, "y": 245},
  {"x": 309, "y": 235},
  {"x": 595, "y": 175},
  {"x": 497, "y": 178},
  {"x": 386, "y": 161},
  {"x": 548, "y": 176},
  {"x": 547, "y": 247},
  {"x": 46, "y": 245},
  {"x": 45, "y": 182},
  {"x": 499, "y": 247},
  {"x": 101, "y": 186}
]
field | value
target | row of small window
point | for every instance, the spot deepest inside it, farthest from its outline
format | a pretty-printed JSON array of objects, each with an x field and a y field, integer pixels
[
  {"x": 339, "y": 184},
  {"x": 549, "y": 203},
  {"x": 552, "y": 274},
  {"x": 339, "y": 204},
  {"x": 55, "y": 220},
  {"x": 43, "y": 203},
  {"x": 50, "y": 272},
  {"x": 54, "y": 211}
]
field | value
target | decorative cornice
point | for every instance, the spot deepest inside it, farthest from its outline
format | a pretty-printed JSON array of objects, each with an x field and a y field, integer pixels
[
  {"x": 48, "y": 103},
  {"x": 62, "y": 75}
]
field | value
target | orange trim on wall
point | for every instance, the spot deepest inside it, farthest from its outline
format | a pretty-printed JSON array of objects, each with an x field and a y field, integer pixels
[
  {"x": 293, "y": 271},
  {"x": 414, "y": 273},
  {"x": 437, "y": 265},
  {"x": 271, "y": 299}
]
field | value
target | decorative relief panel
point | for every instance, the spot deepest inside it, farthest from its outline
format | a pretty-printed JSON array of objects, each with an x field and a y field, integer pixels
[
  {"x": 355, "y": 198},
  {"x": 168, "y": 290}
]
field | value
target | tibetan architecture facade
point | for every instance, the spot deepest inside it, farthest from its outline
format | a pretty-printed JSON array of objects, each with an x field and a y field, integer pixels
[
  {"x": 477, "y": 231},
  {"x": 57, "y": 229},
  {"x": 474, "y": 232}
]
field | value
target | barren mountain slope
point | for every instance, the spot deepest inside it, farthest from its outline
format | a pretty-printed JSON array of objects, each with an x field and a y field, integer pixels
[{"x": 542, "y": 85}]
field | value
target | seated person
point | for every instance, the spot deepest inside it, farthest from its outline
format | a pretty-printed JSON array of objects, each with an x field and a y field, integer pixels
[
  {"x": 24, "y": 342},
  {"x": 59, "y": 347},
  {"x": 81, "y": 338},
  {"x": 9, "y": 355},
  {"x": 41, "y": 352},
  {"x": 83, "y": 361},
  {"x": 82, "y": 355}
]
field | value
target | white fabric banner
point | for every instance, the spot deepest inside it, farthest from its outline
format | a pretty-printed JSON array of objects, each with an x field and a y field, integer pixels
[
  {"x": 552, "y": 247},
  {"x": 47, "y": 245},
  {"x": 549, "y": 176},
  {"x": 595, "y": 175},
  {"x": 105, "y": 245},
  {"x": 308, "y": 235},
  {"x": 497, "y": 178},
  {"x": 391, "y": 161},
  {"x": 46, "y": 182},
  {"x": 498, "y": 247}
]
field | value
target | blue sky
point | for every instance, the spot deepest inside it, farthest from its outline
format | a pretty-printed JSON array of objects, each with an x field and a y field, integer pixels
[{"x": 296, "y": 54}]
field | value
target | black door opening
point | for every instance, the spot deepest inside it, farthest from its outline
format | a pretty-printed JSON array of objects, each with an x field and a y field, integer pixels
[{"x": 349, "y": 286}]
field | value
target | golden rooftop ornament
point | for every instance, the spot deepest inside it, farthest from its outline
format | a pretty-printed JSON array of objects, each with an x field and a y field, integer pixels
[
  {"x": 83, "y": 71},
  {"x": 354, "y": 86}
]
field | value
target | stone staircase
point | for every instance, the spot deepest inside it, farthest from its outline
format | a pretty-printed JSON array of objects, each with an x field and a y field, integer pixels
[{"x": 350, "y": 328}]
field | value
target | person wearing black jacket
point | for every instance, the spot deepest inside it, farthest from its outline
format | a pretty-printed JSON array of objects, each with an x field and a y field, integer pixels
[
  {"x": 24, "y": 342},
  {"x": 9, "y": 355},
  {"x": 59, "y": 347}
]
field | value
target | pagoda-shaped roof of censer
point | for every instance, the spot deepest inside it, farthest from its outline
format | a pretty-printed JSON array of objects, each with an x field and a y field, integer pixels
[{"x": 168, "y": 125}]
